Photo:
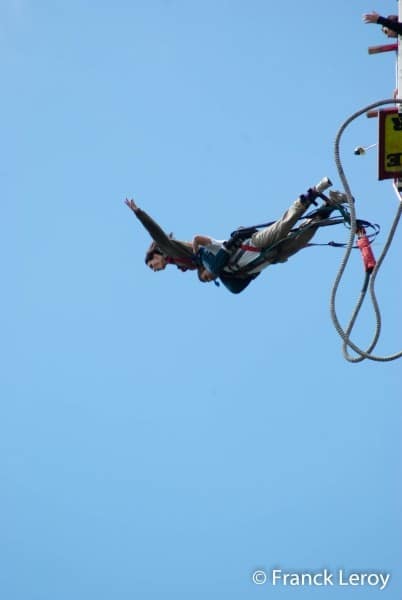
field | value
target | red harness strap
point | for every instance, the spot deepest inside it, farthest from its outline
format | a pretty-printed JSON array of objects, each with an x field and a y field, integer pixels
[
  {"x": 249, "y": 248},
  {"x": 181, "y": 263}
]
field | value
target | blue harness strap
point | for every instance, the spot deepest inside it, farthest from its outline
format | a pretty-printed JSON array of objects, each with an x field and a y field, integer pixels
[{"x": 214, "y": 263}]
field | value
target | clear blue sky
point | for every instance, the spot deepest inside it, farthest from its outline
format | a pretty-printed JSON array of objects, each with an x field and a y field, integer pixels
[{"x": 159, "y": 437}]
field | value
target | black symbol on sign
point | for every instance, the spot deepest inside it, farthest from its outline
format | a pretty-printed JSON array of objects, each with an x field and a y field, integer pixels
[
  {"x": 397, "y": 123},
  {"x": 394, "y": 159}
]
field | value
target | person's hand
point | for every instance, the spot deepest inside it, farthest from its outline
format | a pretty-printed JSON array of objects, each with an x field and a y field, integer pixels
[
  {"x": 371, "y": 17},
  {"x": 131, "y": 205},
  {"x": 200, "y": 240}
]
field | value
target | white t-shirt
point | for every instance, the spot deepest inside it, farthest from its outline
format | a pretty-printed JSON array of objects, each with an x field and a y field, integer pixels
[{"x": 242, "y": 257}]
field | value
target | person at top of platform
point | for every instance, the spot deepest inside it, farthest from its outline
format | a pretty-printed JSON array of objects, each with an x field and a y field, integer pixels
[{"x": 390, "y": 25}]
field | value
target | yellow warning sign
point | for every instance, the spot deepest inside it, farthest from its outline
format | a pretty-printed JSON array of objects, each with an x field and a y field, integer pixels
[{"x": 390, "y": 144}]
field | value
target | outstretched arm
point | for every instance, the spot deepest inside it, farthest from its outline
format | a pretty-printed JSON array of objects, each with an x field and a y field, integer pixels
[
  {"x": 371, "y": 17},
  {"x": 391, "y": 24},
  {"x": 173, "y": 248},
  {"x": 156, "y": 232}
]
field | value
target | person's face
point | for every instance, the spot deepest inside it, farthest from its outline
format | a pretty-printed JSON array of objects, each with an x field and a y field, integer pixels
[
  {"x": 157, "y": 262},
  {"x": 206, "y": 276}
]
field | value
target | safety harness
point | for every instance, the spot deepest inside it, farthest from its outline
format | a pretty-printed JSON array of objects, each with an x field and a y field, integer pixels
[{"x": 232, "y": 250}]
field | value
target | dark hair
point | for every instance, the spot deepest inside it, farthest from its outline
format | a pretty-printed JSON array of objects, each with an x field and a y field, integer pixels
[{"x": 153, "y": 249}]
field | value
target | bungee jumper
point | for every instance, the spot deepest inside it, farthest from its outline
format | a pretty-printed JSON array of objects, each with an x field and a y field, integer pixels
[{"x": 249, "y": 250}]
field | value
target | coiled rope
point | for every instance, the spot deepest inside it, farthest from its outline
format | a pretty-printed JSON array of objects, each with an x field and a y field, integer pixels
[{"x": 370, "y": 278}]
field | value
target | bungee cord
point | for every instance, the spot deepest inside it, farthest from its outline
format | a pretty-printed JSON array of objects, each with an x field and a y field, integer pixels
[{"x": 369, "y": 283}]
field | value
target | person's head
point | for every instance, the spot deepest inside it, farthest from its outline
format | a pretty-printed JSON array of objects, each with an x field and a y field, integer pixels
[
  {"x": 205, "y": 276},
  {"x": 157, "y": 262},
  {"x": 388, "y": 32},
  {"x": 154, "y": 259}
]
